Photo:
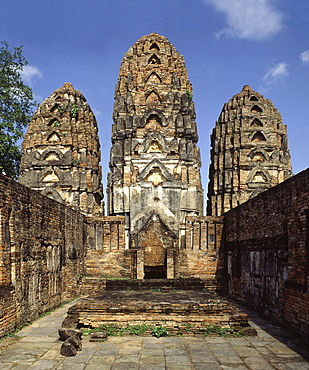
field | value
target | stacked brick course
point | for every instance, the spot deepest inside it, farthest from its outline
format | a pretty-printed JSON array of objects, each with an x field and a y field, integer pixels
[
  {"x": 267, "y": 248},
  {"x": 61, "y": 152},
  {"x": 155, "y": 163},
  {"x": 249, "y": 151},
  {"x": 41, "y": 254}
]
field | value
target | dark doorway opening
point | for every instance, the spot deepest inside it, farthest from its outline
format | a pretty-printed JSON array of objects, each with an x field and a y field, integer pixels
[{"x": 155, "y": 272}]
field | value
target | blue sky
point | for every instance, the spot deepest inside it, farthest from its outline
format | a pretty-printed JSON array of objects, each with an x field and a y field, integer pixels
[{"x": 226, "y": 44}]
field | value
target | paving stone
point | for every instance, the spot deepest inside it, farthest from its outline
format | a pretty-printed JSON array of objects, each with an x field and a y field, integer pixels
[
  {"x": 77, "y": 366},
  {"x": 177, "y": 359},
  {"x": 207, "y": 367},
  {"x": 126, "y": 366},
  {"x": 43, "y": 364},
  {"x": 124, "y": 358},
  {"x": 230, "y": 360},
  {"x": 152, "y": 366},
  {"x": 154, "y": 353},
  {"x": 6, "y": 365},
  {"x": 257, "y": 363},
  {"x": 246, "y": 351},
  {"x": 152, "y": 360},
  {"x": 175, "y": 352},
  {"x": 203, "y": 359},
  {"x": 297, "y": 365},
  {"x": 178, "y": 367},
  {"x": 102, "y": 359},
  {"x": 95, "y": 367}
]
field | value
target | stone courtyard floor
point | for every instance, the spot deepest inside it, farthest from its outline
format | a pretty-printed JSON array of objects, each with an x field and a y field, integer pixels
[{"x": 39, "y": 348}]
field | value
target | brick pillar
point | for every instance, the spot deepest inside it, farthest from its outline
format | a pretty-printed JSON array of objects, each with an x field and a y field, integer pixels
[
  {"x": 5, "y": 255},
  {"x": 170, "y": 261},
  {"x": 140, "y": 264}
]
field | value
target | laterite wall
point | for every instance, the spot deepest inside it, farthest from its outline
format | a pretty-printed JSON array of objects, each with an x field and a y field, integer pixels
[
  {"x": 41, "y": 254},
  {"x": 267, "y": 248}
]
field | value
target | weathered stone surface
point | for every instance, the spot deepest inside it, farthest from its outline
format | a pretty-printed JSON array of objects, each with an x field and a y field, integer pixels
[
  {"x": 172, "y": 310},
  {"x": 249, "y": 151},
  {"x": 155, "y": 164},
  {"x": 68, "y": 348},
  {"x": 61, "y": 152},
  {"x": 41, "y": 254},
  {"x": 98, "y": 336},
  {"x": 267, "y": 245},
  {"x": 154, "y": 177},
  {"x": 65, "y": 333}
]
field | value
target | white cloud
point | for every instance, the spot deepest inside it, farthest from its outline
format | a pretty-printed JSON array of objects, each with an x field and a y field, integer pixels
[
  {"x": 304, "y": 56},
  {"x": 249, "y": 19},
  {"x": 28, "y": 73},
  {"x": 276, "y": 72},
  {"x": 96, "y": 112}
]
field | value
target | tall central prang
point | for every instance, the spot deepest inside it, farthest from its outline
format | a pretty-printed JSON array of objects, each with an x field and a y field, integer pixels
[{"x": 154, "y": 177}]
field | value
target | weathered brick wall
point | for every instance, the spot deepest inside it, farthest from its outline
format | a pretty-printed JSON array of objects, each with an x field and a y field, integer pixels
[
  {"x": 267, "y": 246},
  {"x": 200, "y": 254},
  {"x": 105, "y": 243},
  {"x": 41, "y": 254}
]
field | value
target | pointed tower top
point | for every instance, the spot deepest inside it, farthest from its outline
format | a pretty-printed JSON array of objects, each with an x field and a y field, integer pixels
[{"x": 247, "y": 88}]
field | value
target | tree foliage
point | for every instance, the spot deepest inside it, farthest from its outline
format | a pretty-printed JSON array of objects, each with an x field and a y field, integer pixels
[{"x": 16, "y": 107}]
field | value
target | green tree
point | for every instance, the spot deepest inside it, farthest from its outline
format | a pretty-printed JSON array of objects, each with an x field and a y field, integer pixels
[{"x": 16, "y": 108}]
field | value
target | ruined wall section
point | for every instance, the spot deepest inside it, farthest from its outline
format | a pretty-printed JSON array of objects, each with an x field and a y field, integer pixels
[
  {"x": 154, "y": 162},
  {"x": 41, "y": 254},
  {"x": 267, "y": 247},
  {"x": 107, "y": 255},
  {"x": 249, "y": 151},
  {"x": 61, "y": 152},
  {"x": 201, "y": 253}
]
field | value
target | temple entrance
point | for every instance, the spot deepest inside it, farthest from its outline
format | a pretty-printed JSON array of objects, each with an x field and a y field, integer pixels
[
  {"x": 155, "y": 272},
  {"x": 154, "y": 238}
]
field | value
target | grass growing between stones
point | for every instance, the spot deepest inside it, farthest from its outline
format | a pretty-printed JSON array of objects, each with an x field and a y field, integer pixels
[
  {"x": 216, "y": 330},
  {"x": 162, "y": 331},
  {"x": 116, "y": 330}
]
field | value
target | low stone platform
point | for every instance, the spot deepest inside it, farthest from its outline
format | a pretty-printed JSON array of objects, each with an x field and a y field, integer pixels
[
  {"x": 95, "y": 284},
  {"x": 176, "y": 310}
]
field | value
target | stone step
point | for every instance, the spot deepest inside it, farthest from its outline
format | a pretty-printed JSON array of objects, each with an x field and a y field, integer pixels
[
  {"x": 175, "y": 311},
  {"x": 94, "y": 285}
]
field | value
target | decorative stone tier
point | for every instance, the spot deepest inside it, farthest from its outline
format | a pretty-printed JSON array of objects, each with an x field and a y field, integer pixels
[
  {"x": 154, "y": 178},
  {"x": 174, "y": 311},
  {"x": 249, "y": 151},
  {"x": 93, "y": 285},
  {"x": 173, "y": 303},
  {"x": 61, "y": 152}
]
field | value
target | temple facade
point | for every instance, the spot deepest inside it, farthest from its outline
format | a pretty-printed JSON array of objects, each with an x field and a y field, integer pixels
[
  {"x": 154, "y": 177},
  {"x": 155, "y": 227}
]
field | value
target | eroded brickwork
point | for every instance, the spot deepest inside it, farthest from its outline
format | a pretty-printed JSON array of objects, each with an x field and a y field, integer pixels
[
  {"x": 201, "y": 254},
  {"x": 249, "y": 151},
  {"x": 106, "y": 247},
  {"x": 267, "y": 247},
  {"x": 41, "y": 254},
  {"x": 61, "y": 152},
  {"x": 155, "y": 163}
]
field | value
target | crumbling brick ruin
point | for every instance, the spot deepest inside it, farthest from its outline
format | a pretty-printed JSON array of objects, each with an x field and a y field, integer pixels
[
  {"x": 154, "y": 177},
  {"x": 61, "y": 152},
  {"x": 253, "y": 242},
  {"x": 249, "y": 151}
]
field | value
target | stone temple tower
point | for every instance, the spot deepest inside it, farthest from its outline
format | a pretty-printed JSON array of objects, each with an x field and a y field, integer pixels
[
  {"x": 61, "y": 152},
  {"x": 249, "y": 151},
  {"x": 154, "y": 177}
]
